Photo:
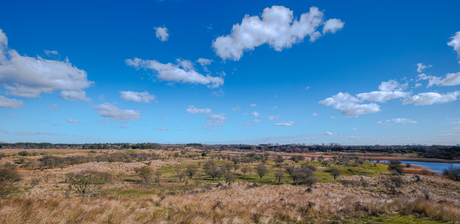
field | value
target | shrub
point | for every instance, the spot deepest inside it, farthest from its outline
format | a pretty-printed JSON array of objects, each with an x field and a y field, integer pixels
[
  {"x": 335, "y": 172},
  {"x": 23, "y": 153},
  {"x": 261, "y": 170},
  {"x": 395, "y": 166},
  {"x": 297, "y": 158},
  {"x": 88, "y": 182},
  {"x": 8, "y": 176},
  {"x": 452, "y": 173},
  {"x": 146, "y": 174}
]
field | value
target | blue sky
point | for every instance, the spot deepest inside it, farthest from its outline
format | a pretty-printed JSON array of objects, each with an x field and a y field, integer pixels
[{"x": 249, "y": 72}]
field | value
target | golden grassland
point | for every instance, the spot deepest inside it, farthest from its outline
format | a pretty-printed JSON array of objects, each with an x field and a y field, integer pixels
[{"x": 250, "y": 200}]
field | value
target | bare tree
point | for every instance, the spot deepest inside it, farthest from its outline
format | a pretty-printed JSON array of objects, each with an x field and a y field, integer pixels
[
  {"x": 88, "y": 182},
  {"x": 261, "y": 170},
  {"x": 335, "y": 172},
  {"x": 279, "y": 175},
  {"x": 191, "y": 170}
]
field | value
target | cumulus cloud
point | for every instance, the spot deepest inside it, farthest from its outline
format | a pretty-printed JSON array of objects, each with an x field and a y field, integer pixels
[
  {"x": 10, "y": 103},
  {"x": 350, "y": 105},
  {"x": 451, "y": 79},
  {"x": 28, "y": 77},
  {"x": 430, "y": 98},
  {"x": 143, "y": 97},
  {"x": 193, "y": 110},
  {"x": 333, "y": 25},
  {"x": 253, "y": 105},
  {"x": 255, "y": 114},
  {"x": 253, "y": 123},
  {"x": 421, "y": 67},
  {"x": 215, "y": 120},
  {"x": 455, "y": 43},
  {"x": 74, "y": 95},
  {"x": 204, "y": 62},
  {"x": 161, "y": 33},
  {"x": 382, "y": 97},
  {"x": 277, "y": 28},
  {"x": 115, "y": 113},
  {"x": 174, "y": 73},
  {"x": 273, "y": 117},
  {"x": 37, "y": 133},
  {"x": 73, "y": 121},
  {"x": 287, "y": 124}
]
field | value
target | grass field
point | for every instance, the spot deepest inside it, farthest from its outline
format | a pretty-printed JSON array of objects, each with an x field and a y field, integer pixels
[{"x": 360, "y": 194}]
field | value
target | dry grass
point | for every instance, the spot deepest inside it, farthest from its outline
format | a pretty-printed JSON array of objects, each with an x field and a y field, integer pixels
[
  {"x": 266, "y": 204},
  {"x": 242, "y": 203}
]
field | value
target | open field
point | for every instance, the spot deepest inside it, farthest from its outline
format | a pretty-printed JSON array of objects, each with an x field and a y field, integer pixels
[{"x": 183, "y": 188}]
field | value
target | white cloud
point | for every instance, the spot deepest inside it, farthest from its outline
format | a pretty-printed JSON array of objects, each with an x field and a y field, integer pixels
[
  {"x": 140, "y": 97},
  {"x": 253, "y": 105},
  {"x": 37, "y": 133},
  {"x": 332, "y": 117},
  {"x": 29, "y": 77},
  {"x": 354, "y": 129},
  {"x": 74, "y": 95},
  {"x": 53, "y": 107},
  {"x": 402, "y": 121},
  {"x": 204, "y": 62},
  {"x": 10, "y": 103},
  {"x": 253, "y": 123},
  {"x": 5, "y": 132},
  {"x": 430, "y": 98},
  {"x": 349, "y": 105},
  {"x": 333, "y": 25},
  {"x": 48, "y": 53},
  {"x": 397, "y": 121},
  {"x": 314, "y": 115},
  {"x": 193, "y": 110},
  {"x": 215, "y": 120},
  {"x": 392, "y": 85},
  {"x": 161, "y": 128},
  {"x": 161, "y": 33},
  {"x": 328, "y": 133},
  {"x": 255, "y": 114},
  {"x": 451, "y": 79},
  {"x": 274, "y": 107},
  {"x": 236, "y": 108},
  {"x": 272, "y": 118},
  {"x": 124, "y": 127},
  {"x": 417, "y": 85},
  {"x": 287, "y": 124},
  {"x": 382, "y": 97},
  {"x": 173, "y": 73},
  {"x": 421, "y": 67},
  {"x": 164, "y": 118},
  {"x": 278, "y": 28},
  {"x": 73, "y": 121},
  {"x": 455, "y": 43},
  {"x": 115, "y": 113}
]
